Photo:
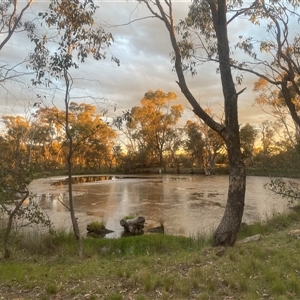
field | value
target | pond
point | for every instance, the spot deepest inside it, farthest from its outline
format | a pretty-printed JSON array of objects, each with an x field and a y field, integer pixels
[{"x": 188, "y": 205}]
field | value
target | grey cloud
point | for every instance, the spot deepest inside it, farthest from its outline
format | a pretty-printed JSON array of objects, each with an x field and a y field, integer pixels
[{"x": 143, "y": 48}]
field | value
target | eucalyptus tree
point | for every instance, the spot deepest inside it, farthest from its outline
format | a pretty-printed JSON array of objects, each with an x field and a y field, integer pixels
[
  {"x": 77, "y": 37},
  {"x": 267, "y": 134},
  {"x": 93, "y": 138},
  {"x": 12, "y": 21},
  {"x": 48, "y": 137},
  {"x": 15, "y": 173},
  {"x": 194, "y": 144},
  {"x": 203, "y": 143},
  {"x": 275, "y": 57},
  {"x": 248, "y": 135},
  {"x": 173, "y": 146},
  {"x": 208, "y": 19},
  {"x": 270, "y": 100},
  {"x": 153, "y": 123}
]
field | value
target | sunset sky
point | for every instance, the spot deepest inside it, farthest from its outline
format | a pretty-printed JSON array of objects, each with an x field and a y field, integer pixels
[{"x": 143, "y": 48}]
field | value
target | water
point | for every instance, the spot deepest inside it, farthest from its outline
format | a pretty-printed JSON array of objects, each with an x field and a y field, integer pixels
[{"x": 188, "y": 205}]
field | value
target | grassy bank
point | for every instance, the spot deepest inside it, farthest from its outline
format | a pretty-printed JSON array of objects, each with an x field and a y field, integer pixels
[
  {"x": 220, "y": 170},
  {"x": 156, "y": 266}
]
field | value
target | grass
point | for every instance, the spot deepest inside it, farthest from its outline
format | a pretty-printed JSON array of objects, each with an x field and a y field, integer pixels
[
  {"x": 156, "y": 266},
  {"x": 96, "y": 225},
  {"x": 129, "y": 217}
]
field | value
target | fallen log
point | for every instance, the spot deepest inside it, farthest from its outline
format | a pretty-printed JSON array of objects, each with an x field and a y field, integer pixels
[
  {"x": 135, "y": 225},
  {"x": 158, "y": 229}
]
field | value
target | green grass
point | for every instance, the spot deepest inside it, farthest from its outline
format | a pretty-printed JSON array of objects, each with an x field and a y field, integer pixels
[
  {"x": 156, "y": 266},
  {"x": 129, "y": 217},
  {"x": 96, "y": 226}
]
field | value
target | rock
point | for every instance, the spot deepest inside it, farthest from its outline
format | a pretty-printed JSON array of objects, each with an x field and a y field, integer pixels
[
  {"x": 295, "y": 233},
  {"x": 252, "y": 238},
  {"x": 221, "y": 251}
]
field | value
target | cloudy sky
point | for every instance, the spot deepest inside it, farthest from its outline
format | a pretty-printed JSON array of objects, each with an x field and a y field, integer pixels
[{"x": 143, "y": 49}]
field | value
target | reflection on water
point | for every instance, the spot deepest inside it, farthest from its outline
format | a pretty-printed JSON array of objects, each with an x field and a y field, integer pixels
[
  {"x": 188, "y": 205},
  {"x": 82, "y": 179}
]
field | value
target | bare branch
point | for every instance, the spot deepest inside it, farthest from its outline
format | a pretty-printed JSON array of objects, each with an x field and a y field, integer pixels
[{"x": 14, "y": 22}]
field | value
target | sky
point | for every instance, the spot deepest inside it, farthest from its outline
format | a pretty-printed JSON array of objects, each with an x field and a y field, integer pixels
[{"x": 143, "y": 48}]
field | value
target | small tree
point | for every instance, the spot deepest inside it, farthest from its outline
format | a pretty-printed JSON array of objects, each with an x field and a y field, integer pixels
[
  {"x": 14, "y": 176},
  {"x": 78, "y": 37}
]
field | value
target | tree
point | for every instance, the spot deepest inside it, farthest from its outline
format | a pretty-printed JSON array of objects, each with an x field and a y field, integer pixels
[
  {"x": 248, "y": 136},
  {"x": 194, "y": 143},
  {"x": 173, "y": 145},
  {"x": 271, "y": 102},
  {"x": 281, "y": 69},
  {"x": 93, "y": 139},
  {"x": 286, "y": 189},
  {"x": 213, "y": 144},
  {"x": 15, "y": 175},
  {"x": 204, "y": 143},
  {"x": 267, "y": 136},
  {"x": 153, "y": 123},
  {"x": 11, "y": 22},
  {"x": 209, "y": 20},
  {"x": 77, "y": 38}
]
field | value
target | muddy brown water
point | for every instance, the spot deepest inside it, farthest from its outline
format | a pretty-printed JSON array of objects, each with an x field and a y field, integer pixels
[{"x": 188, "y": 205}]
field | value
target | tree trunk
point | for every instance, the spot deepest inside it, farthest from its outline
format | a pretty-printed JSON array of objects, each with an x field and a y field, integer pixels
[
  {"x": 135, "y": 225},
  {"x": 76, "y": 229},
  {"x": 226, "y": 233},
  {"x": 12, "y": 214}
]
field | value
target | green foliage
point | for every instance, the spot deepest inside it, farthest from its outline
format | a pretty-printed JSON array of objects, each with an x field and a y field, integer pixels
[
  {"x": 248, "y": 137},
  {"x": 96, "y": 226},
  {"x": 151, "y": 129},
  {"x": 33, "y": 214},
  {"x": 76, "y": 34},
  {"x": 287, "y": 189},
  {"x": 194, "y": 144},
  {"x": 128, "y": 217}
]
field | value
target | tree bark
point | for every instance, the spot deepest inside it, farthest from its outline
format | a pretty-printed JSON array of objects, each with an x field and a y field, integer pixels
[
  {"x": 226, "y": 232},
  {"x": 76, "y": 229},
  {"x": 135, "y": 225}
]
